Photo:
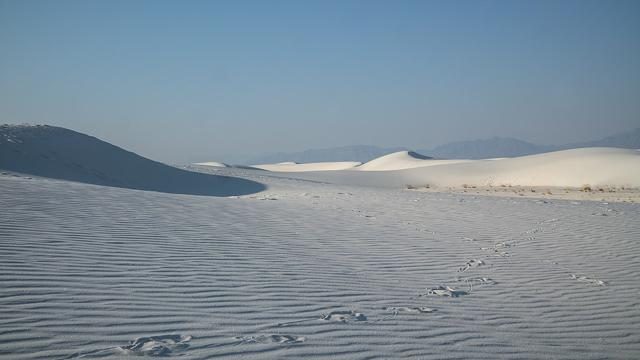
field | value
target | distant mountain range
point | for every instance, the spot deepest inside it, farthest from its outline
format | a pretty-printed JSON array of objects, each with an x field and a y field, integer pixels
[
  {"x": 627, "y": 140},
  {"x": 475, "y": 149},
  {"x": 485, "y": 149}
]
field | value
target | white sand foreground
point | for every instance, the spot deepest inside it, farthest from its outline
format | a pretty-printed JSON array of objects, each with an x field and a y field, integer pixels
[{"x": 309, "y": 270}]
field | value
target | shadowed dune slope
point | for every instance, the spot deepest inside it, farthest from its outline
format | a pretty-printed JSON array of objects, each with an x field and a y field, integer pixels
[{"x": 60, "y": 153}]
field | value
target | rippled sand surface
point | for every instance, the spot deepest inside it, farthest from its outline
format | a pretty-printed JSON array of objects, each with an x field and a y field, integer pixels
[{"x": 313, "y": 270}]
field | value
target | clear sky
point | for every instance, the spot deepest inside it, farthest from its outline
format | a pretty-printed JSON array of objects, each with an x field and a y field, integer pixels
[{"x": 216, "y": 80}]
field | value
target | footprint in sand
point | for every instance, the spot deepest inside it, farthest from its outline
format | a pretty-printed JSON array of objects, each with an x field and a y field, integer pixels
[
  {"x": 343, "y": 316},
  {"x": 477, "y": 280},
  {"x": 160, "y": 345},
  {"x": 495, "y": 251},
  {"x": 471, "y": 264},
  {"x": 271, "y": 339},
  {"x": 588, "y": 280},
  {"x": 445, "y": 291},
  {"x": 418, "y": 227},
  {"x": 505, "y": 244},
  {"x": 403, "y": 309},
  {"x": 547, "y": 221},
  {"x": 498, "y": 249},
  {"x": 359, "y": 213},
  {"x": 334, "y": 316},
  {"x": 599, "y": 214}
]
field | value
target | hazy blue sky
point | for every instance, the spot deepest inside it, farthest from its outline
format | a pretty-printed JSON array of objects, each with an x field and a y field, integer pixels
[{"x": 207, "y": 80}]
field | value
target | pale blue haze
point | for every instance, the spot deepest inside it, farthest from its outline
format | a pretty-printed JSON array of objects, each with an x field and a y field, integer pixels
[{"x": 211, "y": 80}]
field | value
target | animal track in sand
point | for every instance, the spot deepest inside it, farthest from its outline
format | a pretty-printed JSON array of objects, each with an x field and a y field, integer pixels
[
  {"x": 343, "y": 316},
  {"x": 606, "y": 211},
  {"x": 273, "y": 339},
  {"x": 360, "y": 213},
  {"x": 505, "y": 244},
  {"x": 160, "y": 345},
  {"x": 471, "y": 264},
  {"x": 548, "y": 221},
  {"x": 334, "y": 316},
  {"x": 495, "y": 251},
  {"x": 587, "y": 280},
  {"x": 498, "y": 248},
  {"x": 477, "y": 280},
  {"x": 574, "y": 276},
  {"x": 418, "y": 227},
  {"x": 445, "y": 291},
  {"x": 403, "y": 309}
]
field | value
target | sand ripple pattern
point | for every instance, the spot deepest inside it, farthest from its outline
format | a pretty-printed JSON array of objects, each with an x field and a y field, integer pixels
[{"x": 94, "y": 272}]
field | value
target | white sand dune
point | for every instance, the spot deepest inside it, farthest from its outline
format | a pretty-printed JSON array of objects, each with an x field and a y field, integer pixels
[
  {"x": 567, "y": 168},
  {"x": 295, "y": 167},
  {"x": 310, "y": 270},
  {"x": 403, "y": 160},
  {"x": 60, "y": 153},
  {"x": 572, "y": 168}
]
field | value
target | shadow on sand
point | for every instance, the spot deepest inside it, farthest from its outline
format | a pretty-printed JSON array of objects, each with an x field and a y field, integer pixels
[{"x": 64, "y": 154}]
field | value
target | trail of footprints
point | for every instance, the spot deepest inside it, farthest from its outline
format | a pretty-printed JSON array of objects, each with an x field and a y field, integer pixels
[
  {"x": 500, "y": 250},
  {"x": 159, "y": 345},
  {"x": 175, "y": 344},
  {"x": 395, "y": 310},
  {"x": 580, "y": 278},
  {"x": 165, "y": 345},
  {"x": 587, "y": 280},
  {"x": 273, "y": 339},
  {"x": 343, "y": 316},
  {"x": 473, "y": 263}
]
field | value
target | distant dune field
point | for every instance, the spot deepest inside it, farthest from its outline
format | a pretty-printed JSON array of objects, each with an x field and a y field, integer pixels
[{"x": 567, "y": 168}]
